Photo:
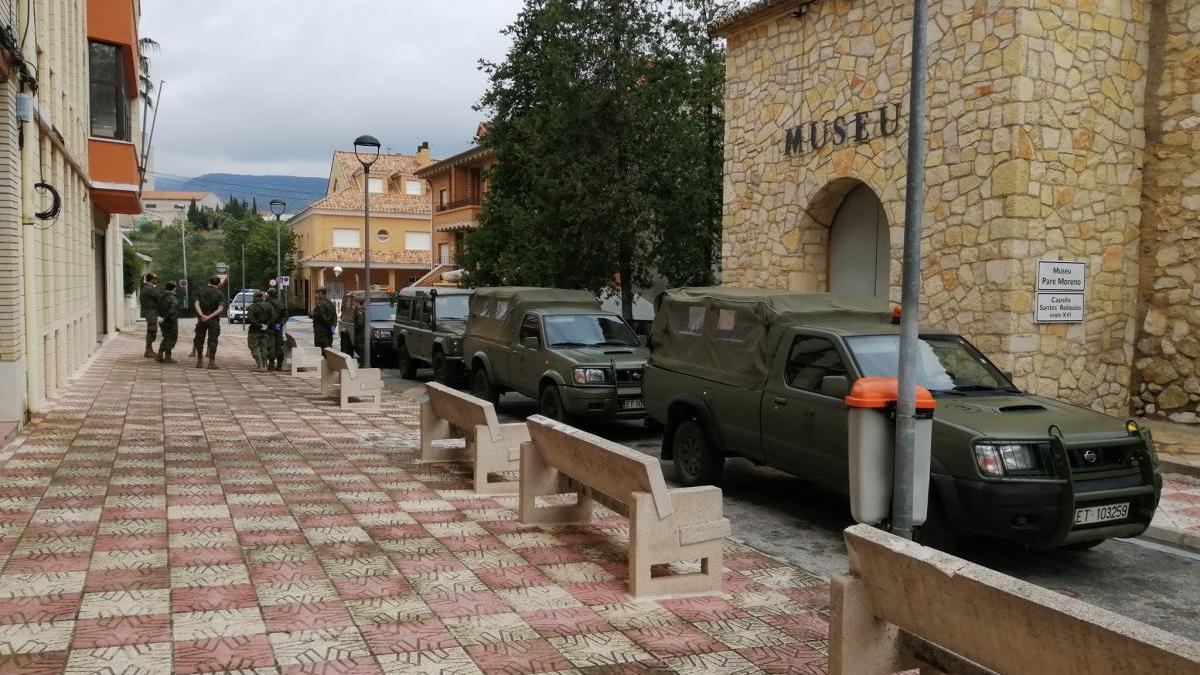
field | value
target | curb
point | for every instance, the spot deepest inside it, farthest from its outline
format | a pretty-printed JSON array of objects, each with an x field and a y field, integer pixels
[
  {"x": 1176, "y": 538},
  {"x": 1174, "y": 466}
]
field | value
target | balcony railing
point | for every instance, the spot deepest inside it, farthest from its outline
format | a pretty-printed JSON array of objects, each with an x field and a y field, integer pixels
[{"x": 458, "y": 204}]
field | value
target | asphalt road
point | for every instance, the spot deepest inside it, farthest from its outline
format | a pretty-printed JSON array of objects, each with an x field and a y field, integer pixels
[{"x": 797, "y": 522}]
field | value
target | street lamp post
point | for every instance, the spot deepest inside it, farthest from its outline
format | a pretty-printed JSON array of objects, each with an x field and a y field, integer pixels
[
  {"x": 187, "y": 291},
  {"x": 277, "y": 207},
  {"x": 245, "y": 232},
  {"x": 366, "y": 149}
]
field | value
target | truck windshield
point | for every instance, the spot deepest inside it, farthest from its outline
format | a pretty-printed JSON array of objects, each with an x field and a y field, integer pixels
[
  {"x": 452, "y": 307},
  {"x": 382, "y": 311},
  {"x": 945, "y": 364},
  {"x": 588, "y": 330}
]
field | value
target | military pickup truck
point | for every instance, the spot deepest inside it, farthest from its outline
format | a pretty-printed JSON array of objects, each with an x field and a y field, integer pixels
[
  {"x": 763, "y": 375},
  {"x": 381, "y": 317},
  {"x": 430, "y": 323},
  {"x": 557, "y": 347}
]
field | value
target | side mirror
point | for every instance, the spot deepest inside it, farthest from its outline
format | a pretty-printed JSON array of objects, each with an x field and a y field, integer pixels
[
  {"x": 837, "y": 386},
  {"x": 531, "y": 342}
]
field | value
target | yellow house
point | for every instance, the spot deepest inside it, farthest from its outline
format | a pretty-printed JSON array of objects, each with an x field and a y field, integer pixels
[{"x": 329, "y": 233}]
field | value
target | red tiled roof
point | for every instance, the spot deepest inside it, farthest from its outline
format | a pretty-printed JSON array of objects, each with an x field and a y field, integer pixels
[
  {"x": 355, "y": 256},
  {"x": 393, "y": 168},
  {"x": 751, "y": 12}
]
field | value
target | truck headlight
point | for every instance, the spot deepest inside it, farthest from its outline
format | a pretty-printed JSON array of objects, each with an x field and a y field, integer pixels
[
  {"x": 455, "y": 346},
  {"x": 995, "y": 459},
  {"x": 591, "y": 376},
  {"x": 381, "y": 334}
]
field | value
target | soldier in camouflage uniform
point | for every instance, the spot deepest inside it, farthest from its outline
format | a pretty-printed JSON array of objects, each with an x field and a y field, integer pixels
[
  {"x": 148, "y": 303},
  {"x": 209, "y": 306},
  {"x": 259, "y": 316},
  {"x": 324, "y": 318},
  {"x": 276, "y": 362},
  {"x": 168, "y": 313}
]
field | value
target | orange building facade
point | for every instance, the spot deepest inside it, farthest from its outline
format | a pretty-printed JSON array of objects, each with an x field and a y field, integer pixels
[{"x": 457, "y": 186}]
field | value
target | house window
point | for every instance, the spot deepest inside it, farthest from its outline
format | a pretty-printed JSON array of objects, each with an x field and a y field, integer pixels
[
  {"x": 150, "y": 205},
  {"x": 412, "y": 187},
  {"x": 443, "y": 197},
  {"x": 375, "y": 185},
  {"x": 345, "y": 238},
  {"x": 418, "y": 241},
  {"x": 108, "y": 101},
  {"x": 382, "y": 236}
]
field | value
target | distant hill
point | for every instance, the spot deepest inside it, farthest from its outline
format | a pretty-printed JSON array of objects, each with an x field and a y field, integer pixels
[{"x": 297, "y": 191}]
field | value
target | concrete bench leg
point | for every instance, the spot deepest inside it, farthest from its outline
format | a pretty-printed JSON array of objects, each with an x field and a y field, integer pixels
[
  {"x": 859, "y": 642},
  {"x": 434, "y": 428},
  {"x": 540, "y": 480},
  {"x": 655, "y": 541},
  {"x": 493, "y": 456}
]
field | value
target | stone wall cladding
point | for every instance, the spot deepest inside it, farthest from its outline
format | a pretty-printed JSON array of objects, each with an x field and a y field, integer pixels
[
  {"x": 1035, "y": 151},
  {"x": 1168, "y": 349}
]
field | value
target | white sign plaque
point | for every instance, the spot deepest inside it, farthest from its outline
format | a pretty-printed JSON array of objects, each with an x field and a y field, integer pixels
[
  {"x": 1058, "y": 307},
  {"x": 1058, "y": 291},
  {"x": 1057, "y": 275}
]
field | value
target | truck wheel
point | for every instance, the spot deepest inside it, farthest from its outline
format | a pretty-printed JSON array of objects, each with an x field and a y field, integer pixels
[
  {"x": 550, "y": 405},
  {"x": 936, "y": 531},
  {"x": 440, "y": 372},
  {"x": 404, "y": 363},
  {"x": 696, "y": 462},
  {"x": 481, "y": 386}
]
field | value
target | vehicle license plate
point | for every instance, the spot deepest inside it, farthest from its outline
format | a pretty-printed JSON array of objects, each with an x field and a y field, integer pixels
[
  {"x": 632, "y": 404},
  {"x": 1100, "y": 514}
]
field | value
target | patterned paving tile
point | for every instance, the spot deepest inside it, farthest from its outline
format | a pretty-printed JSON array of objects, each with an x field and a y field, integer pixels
[{"x": 235, "y": 522}]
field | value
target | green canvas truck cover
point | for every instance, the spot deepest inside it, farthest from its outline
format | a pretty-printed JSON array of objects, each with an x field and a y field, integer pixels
[
  {"x": 730, "y": 334},
  {"x": 496, "y": 313}
]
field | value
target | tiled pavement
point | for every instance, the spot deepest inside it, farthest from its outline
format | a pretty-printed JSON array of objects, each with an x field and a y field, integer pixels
[
  {"x": 1177, "y": 519},
  {"x": 166, "y": 519}
]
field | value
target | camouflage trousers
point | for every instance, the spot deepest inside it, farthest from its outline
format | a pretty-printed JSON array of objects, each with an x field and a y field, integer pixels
[
  {"x": 151, "y": 328},
  {"x": 170, "y": 334},
  {"x": 260, "y": 347},
  {"x": 210, "y": 329}
]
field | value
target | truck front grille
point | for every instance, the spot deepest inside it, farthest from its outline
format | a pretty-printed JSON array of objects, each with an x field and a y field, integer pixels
[
  {"x": 1088, "y": 460},
  {"x": 629, "y": 376}
]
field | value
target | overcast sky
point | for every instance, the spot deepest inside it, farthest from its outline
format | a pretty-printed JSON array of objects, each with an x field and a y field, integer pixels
[{"x": 274, "y": 86}]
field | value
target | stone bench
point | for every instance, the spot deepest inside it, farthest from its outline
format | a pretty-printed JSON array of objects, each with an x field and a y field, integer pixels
[
  {"x": 306, "y": 361},
  {"x": 493, "y": 447},
  {"x": 361, "y": 388},
  {"x": 905, "y": 606},
  {"x": 665, "y": 525}
]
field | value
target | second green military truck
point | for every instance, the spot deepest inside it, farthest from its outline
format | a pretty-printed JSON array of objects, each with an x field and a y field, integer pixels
[
  {"x": 430, "y": 323},
  {"x": 763, "y": 375},
  {"x": 557, "y": 347}
]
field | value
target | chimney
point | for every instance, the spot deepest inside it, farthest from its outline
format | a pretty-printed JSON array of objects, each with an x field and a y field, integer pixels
[{"x": 423, "y": 154}]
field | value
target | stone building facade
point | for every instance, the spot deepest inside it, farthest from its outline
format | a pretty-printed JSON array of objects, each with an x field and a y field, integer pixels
[{"x": 1062, "y": 130}]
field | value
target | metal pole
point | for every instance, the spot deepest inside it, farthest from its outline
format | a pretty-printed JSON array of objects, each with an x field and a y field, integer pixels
[
  {"x": 278, "y": 260},
  {"x": 243, "y": 283},
  {"x": 187, "y": 289},
  {"x": 366, "y": 338},
  {"x": 910, "y": 293}
]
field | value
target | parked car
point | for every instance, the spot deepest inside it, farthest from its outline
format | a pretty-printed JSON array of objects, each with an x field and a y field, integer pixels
[
  {"x": 430, "y": 323},
  {"x": 557, "y": 347},
  {"x": 239, "y": 304},
  {"x": 762, "y": 375},
  {"x": 381, "y": 318}
]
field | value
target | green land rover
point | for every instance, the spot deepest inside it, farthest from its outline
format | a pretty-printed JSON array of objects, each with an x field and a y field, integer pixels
[
  {"x": 430, "y": 323},
  {"x": 557, "y": 347},
  {"x": 763, "y": 374}
]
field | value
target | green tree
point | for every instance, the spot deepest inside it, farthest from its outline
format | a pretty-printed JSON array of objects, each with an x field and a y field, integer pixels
[
  {"x": 132, "y": 270},
  {"x": 193, "y": 214},
  {"x": 605, "y": 126},
  {"x": 259, "y": 239}
]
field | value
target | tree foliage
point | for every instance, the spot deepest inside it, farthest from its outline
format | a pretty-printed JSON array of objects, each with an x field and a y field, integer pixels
[
  {"x": 606, "y": 127},
  {"x": 258, "y": 235},
  {"x": 131, "y": 266}
]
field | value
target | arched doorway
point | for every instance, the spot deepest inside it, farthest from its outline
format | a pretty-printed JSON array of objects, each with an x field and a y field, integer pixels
[{"x": 859, "y": 246}]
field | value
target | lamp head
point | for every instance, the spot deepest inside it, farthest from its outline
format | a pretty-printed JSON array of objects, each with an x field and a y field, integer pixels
[
  {"x": 366, "y": 149},
  {"x": 277, "y": 206}
]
